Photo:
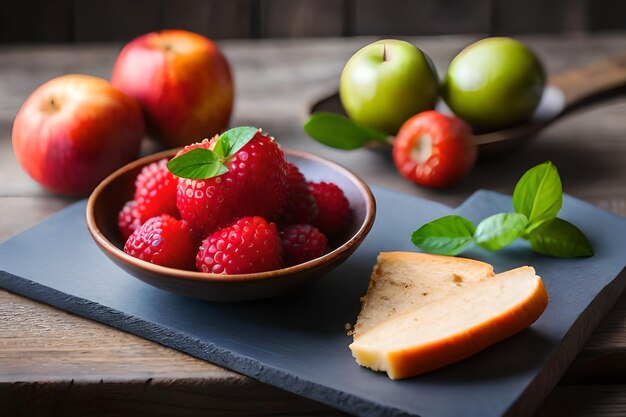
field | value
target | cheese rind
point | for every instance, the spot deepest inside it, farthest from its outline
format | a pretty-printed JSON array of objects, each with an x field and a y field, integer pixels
[{"x": 461, "y": 321}]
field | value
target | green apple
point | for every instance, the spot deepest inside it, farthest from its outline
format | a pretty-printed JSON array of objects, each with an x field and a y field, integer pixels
[
  {"x": 494, "y": 83},
  {"x": 387, "y": 82}
]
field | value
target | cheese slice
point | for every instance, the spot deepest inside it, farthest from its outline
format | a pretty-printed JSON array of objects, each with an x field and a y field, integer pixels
[
  {"x": 422, "y": 312},
  {"x": 402, "y": 281}
]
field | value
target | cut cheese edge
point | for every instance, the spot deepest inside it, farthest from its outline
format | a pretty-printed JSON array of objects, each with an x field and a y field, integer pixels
[{"x": 458, "y": 323}]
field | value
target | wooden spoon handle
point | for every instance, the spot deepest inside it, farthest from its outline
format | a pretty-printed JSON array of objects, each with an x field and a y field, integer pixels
[{"x": 592, "y": 82}]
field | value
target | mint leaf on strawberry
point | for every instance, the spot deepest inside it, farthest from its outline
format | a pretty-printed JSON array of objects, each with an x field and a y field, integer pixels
[
  {"x": 231, "y": 141},
  {"x": 201, "y": 163},
  {"x": 197, "y": 164}
]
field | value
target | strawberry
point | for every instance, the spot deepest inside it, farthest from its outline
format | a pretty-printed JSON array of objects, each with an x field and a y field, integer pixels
[
  {"x": 434, "y": 150},
  {"x": 165, "y": 241},
  {"x": 155, "y": 191},
  {"x": 204, "y": 144},
  {"x": 129, "y": 219},
  {"x": 155, "y": 194},
  {"x": 204, "y": 203},
  {"x": 301, "y": 207},
  {"x": 333, "y": 208},
  {"x": 241, "y": 173},
  {"x": 248, "y": 245},
  {"x": 302, "y": 242}
]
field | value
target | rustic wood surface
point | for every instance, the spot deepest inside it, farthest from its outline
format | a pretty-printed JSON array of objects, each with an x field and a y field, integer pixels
[
  {"x": 54, "y": 363},
  {"x": 118, "y": 20}
]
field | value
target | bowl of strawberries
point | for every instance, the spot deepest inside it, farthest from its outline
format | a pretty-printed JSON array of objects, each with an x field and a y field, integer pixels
[{"x": 230, "y": 219}]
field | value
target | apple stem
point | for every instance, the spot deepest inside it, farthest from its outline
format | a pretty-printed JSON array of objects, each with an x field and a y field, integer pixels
[
  {"x": 53, "y": 103},
  {"x": 384, "y": 52}
]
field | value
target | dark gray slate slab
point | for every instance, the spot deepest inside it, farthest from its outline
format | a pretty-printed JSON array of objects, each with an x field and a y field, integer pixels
[{"x": 298, "y": 342}]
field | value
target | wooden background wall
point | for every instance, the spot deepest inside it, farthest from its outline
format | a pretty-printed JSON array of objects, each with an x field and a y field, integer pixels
[{"x": 106, "y": 20}]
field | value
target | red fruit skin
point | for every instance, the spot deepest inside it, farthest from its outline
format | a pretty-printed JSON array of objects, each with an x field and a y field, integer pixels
[
  {"x": 164, "y": 241},
  {"x": 128, "y": 219},
  {"x": 450, "y": 156},
  {"x": 300, "y": 207},
  {"x": 333, "y": 214},
  {"x": 205, "y": 144},
  {"x": 247, "y": 246},
  {"x": 155, "y": 191},
  {"x": 255, "y": 185},
  {"x": 182, "y": 81},
  {"x": 75, "y": 130},
  {"x": 302, "y": 243}
]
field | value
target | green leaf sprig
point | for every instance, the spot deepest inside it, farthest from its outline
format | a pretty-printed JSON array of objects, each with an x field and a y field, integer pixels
[
  {"x": 203, "y": 163},
  {"x": 537, "y": 200},
  {"x": 340, "y": 132}
]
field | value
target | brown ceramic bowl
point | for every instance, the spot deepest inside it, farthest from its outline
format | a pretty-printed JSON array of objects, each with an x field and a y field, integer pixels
[{"x": 108, "y": 198}]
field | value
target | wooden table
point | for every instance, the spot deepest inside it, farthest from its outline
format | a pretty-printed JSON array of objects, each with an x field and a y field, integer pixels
[{"x": 54, "y": 363}]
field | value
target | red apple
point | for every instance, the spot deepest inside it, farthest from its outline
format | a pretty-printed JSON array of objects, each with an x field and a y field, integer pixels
[
  {"x": 182, "y": 81},
  {"x": 75, "y": 130}
]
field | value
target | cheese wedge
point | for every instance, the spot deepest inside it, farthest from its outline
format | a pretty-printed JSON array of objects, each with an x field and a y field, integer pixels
[
  {"x": 402, "y": 281},
  {"x": 422, "y": 312}
]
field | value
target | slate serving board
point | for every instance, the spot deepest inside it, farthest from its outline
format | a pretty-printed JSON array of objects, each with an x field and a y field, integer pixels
[{"x": 299, "y": 343}]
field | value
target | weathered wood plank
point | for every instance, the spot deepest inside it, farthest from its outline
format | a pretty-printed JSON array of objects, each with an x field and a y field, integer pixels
[
  {"x": 195, "y": 398},
  {"x": 215, "y": 19},
  {"x": 301, "y": 18},
  {"x": 91, "y": 20},
  {"x": 429, "y": 17},
  {"x": 156, "y": 397},
  {"x": 36, "y": 21},
  {"x": 585, "y": 401},
  {"x": 604, "y": 15},
  {"x": 114, "y": 20},
  {"x": 512, "y": 17},
  {"x": 603, "y": 360},
  {"x": 43, "y": 343}
]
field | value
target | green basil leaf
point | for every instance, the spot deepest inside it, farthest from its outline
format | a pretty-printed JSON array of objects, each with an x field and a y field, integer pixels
[
  {"x": 500, "y": 230},
  {"x": 561, "y": 239},
  {"x": 231, "y": 141},
  {"x": 539, "y": 194},
  {"x": 449, "y": 235},
  {"x": 198, "y": 163},
  {"x": 340, "y": 132}
]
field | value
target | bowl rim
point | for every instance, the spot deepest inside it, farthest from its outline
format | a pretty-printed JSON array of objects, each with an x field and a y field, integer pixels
[{"x": 121, "y": 256}]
